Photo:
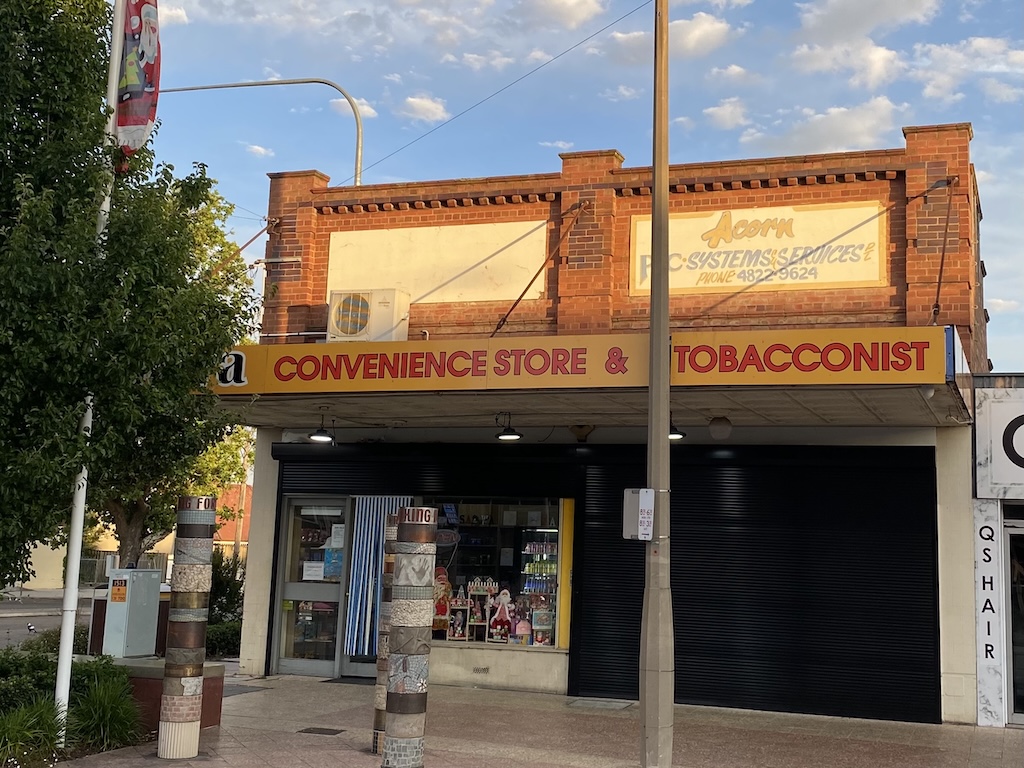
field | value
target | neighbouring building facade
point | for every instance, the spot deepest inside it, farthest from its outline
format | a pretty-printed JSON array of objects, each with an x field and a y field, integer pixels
[
  {"x": 827, "y": 315},
  {"x": 999, "y": 547}
]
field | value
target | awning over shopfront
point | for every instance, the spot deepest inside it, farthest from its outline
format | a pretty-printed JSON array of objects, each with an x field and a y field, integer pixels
[{"x": 874, "y": 377}]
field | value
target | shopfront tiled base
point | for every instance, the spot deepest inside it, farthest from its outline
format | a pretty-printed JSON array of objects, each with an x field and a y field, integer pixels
[{"x": 513, "y": 668}]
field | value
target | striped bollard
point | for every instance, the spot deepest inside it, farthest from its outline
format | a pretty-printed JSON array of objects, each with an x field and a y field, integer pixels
[
  {"x": 380, "y": 693},
  {"x": 181, "y": 705},
  {"x": 412, "y": 616}
]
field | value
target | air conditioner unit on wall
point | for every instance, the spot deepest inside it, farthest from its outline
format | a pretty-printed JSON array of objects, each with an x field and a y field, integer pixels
[{"x": 379, "y": 314}]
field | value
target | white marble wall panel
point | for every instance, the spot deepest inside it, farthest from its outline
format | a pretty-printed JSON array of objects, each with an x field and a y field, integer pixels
[
  {"x": 1000, "y": 443},
  {"x": 989, "y": 600}
]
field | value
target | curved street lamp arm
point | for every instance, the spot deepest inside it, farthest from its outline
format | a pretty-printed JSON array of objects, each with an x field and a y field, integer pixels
[{"x": 357, "y": 176}]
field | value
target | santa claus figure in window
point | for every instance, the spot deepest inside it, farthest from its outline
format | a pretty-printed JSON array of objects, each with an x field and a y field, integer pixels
[
  {"x": 442, "y": 599},
  {"x": 502, "y": 613}
]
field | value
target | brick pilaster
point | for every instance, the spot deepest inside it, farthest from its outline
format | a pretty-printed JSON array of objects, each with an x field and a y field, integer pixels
[
  {"x": 587, "y": 255},
  {"x": 296, "y": 268}
]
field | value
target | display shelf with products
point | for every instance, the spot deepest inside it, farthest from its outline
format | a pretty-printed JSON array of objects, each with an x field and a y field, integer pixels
[
  {"x": 540, "y": 582},
  {"x": 502, "y": 559}
]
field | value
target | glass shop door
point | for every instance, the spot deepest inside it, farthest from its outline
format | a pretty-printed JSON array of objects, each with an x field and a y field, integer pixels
[{"x": 312, "y": 603}]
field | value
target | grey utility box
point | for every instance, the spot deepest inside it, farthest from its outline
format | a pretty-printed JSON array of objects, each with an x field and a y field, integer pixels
[{"x": 133, "y": 603}]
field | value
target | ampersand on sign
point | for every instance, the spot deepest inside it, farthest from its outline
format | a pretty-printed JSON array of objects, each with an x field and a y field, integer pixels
[{"x": 616, "y": 362}]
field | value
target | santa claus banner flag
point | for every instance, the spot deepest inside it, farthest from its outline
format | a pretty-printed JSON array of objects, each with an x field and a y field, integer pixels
[{"x": 140, "y": 75}]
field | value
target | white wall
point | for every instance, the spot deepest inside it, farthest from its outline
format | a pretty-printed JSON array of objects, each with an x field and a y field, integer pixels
[
  {"x": 259, "y": 561},
  {"x": 460, "y": 262},
  {"x": 957, "y": 650}
]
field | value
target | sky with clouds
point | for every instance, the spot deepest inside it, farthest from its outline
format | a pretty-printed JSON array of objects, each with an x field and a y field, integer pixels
[{"x": 749, "y": 78}]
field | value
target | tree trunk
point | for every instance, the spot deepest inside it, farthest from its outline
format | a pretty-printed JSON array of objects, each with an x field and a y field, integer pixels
[{"x": 130, "y": 529}]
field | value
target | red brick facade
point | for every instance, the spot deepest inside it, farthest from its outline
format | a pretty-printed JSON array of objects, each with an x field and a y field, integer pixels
[{"x": 589, "y": 206}]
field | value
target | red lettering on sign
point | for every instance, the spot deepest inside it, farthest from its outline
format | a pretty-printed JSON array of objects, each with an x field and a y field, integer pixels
[
  {"x": 279, "y": 372},
  {"x": 459, "y": 372},
  {"x": 807, "y": 357}
]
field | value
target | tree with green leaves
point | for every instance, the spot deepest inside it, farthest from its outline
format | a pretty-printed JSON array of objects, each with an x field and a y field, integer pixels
[
  {"x": 53, "y": 60},
  {"x": 177, "y": 297},
  {"x": 139, "y": 318}
]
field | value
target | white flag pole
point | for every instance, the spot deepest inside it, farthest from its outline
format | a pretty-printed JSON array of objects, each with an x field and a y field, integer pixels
[{"x": 69, "y": 609}]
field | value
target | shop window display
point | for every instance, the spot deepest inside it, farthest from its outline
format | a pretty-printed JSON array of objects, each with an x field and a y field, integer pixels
[{"x": 496, "y": 579}]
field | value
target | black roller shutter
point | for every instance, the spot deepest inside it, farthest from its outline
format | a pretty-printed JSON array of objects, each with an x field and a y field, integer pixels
[{"x": 804, "y": 580}]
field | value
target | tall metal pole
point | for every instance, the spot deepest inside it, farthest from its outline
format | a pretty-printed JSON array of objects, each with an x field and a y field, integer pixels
[
  {"x": 357, "y": 175},
  {"x": 76, "y": 530},
  {"x": 657, "y": 653}
]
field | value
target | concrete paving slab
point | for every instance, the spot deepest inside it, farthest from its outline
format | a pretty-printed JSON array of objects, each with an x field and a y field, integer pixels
[{"x": 477, "y": 727}]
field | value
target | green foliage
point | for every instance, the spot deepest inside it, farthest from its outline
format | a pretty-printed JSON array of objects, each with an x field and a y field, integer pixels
[
  {"x": 224, "y": 640},
  {"x": 26, "y": 675},
  {"x": 48, "y": 641},
  {"x": 180, "y": 297},
  {"x": 105, "y": 717},
  {"x": 52, "y": 168},
  {"x": 223, "y": 465},
  {"x": 102, "y": 713},
  {"x": 139, "y": 318},
  {"x": 226, "y": 587},
  {"x": 29, "y": 733},
  {"x": 23, "y": 677}
]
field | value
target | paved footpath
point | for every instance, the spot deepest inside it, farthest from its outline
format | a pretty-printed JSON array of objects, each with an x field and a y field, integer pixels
[{"x": 302, "y": 722}]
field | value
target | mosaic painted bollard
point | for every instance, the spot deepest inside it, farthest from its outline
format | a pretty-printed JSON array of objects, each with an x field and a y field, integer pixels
[
  {"x": 380, "y": 692},
  {"x": 181, "y": 704},
  {"x": 412, "y": 615}
]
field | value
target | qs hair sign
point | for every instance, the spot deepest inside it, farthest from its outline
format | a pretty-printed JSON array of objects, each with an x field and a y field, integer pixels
[{"x": 749, "y": 358}]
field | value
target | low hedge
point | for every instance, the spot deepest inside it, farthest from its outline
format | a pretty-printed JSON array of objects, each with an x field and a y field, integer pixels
[{"x": 224, "y": 640}]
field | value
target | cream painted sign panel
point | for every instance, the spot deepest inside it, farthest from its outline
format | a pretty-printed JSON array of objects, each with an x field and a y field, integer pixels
[
  {"x": 470, "y": 262},
  {"x": 767, "y": 249},
  {"x": 999, "y": 443}
]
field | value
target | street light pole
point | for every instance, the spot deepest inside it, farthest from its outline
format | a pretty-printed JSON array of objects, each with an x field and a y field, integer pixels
[
  {"x": 657, "y": 653},
  {"x": 357, "y": 176}
]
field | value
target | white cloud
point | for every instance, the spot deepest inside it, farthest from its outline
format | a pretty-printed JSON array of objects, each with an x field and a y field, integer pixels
[
  {"x": 172, "y": 14},
  {"x": 835, "y": 130},
  {"x": 730, "y": 113},
  {"x": 943, "y": 68},
  {"x": 424, "y": 108},
  {"x": 446, "y": 30},
  {"x": 872, "y": 65},
  {"x": 699, "y": 36},
  {"x": 537, "y": 56},
  {"x": 256, "y": 149},
  {"x": 270, "y": 74},
  {"x": 622, "y": 93},
  {"x": 834, "y": 21},
  {"x": 365, "y": 109},
  {"x": 720, "y": 4},
  {"x": 561, "y": 14},
  {"x": 394, "y": 77},
  {"x": 734, "y": 73},
  {"x": 687, "y": 38},
  {"x": 996, "y": 90},
  {"x": 1003, "y": 305},
  {"x": 476, "y": 62},
  {"x": 685, "y": 123},
  {"x": 563, "y": 145}
]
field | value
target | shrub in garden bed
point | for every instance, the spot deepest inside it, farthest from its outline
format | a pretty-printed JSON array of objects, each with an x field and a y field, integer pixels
[
  {"x": 224, "y": 640},
  {"x": 48, "y": 641},
  {"x": 102, "y": 714}
]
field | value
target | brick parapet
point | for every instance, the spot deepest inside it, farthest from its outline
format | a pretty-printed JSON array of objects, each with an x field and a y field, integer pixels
[{"x": 587, "y": 280}]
